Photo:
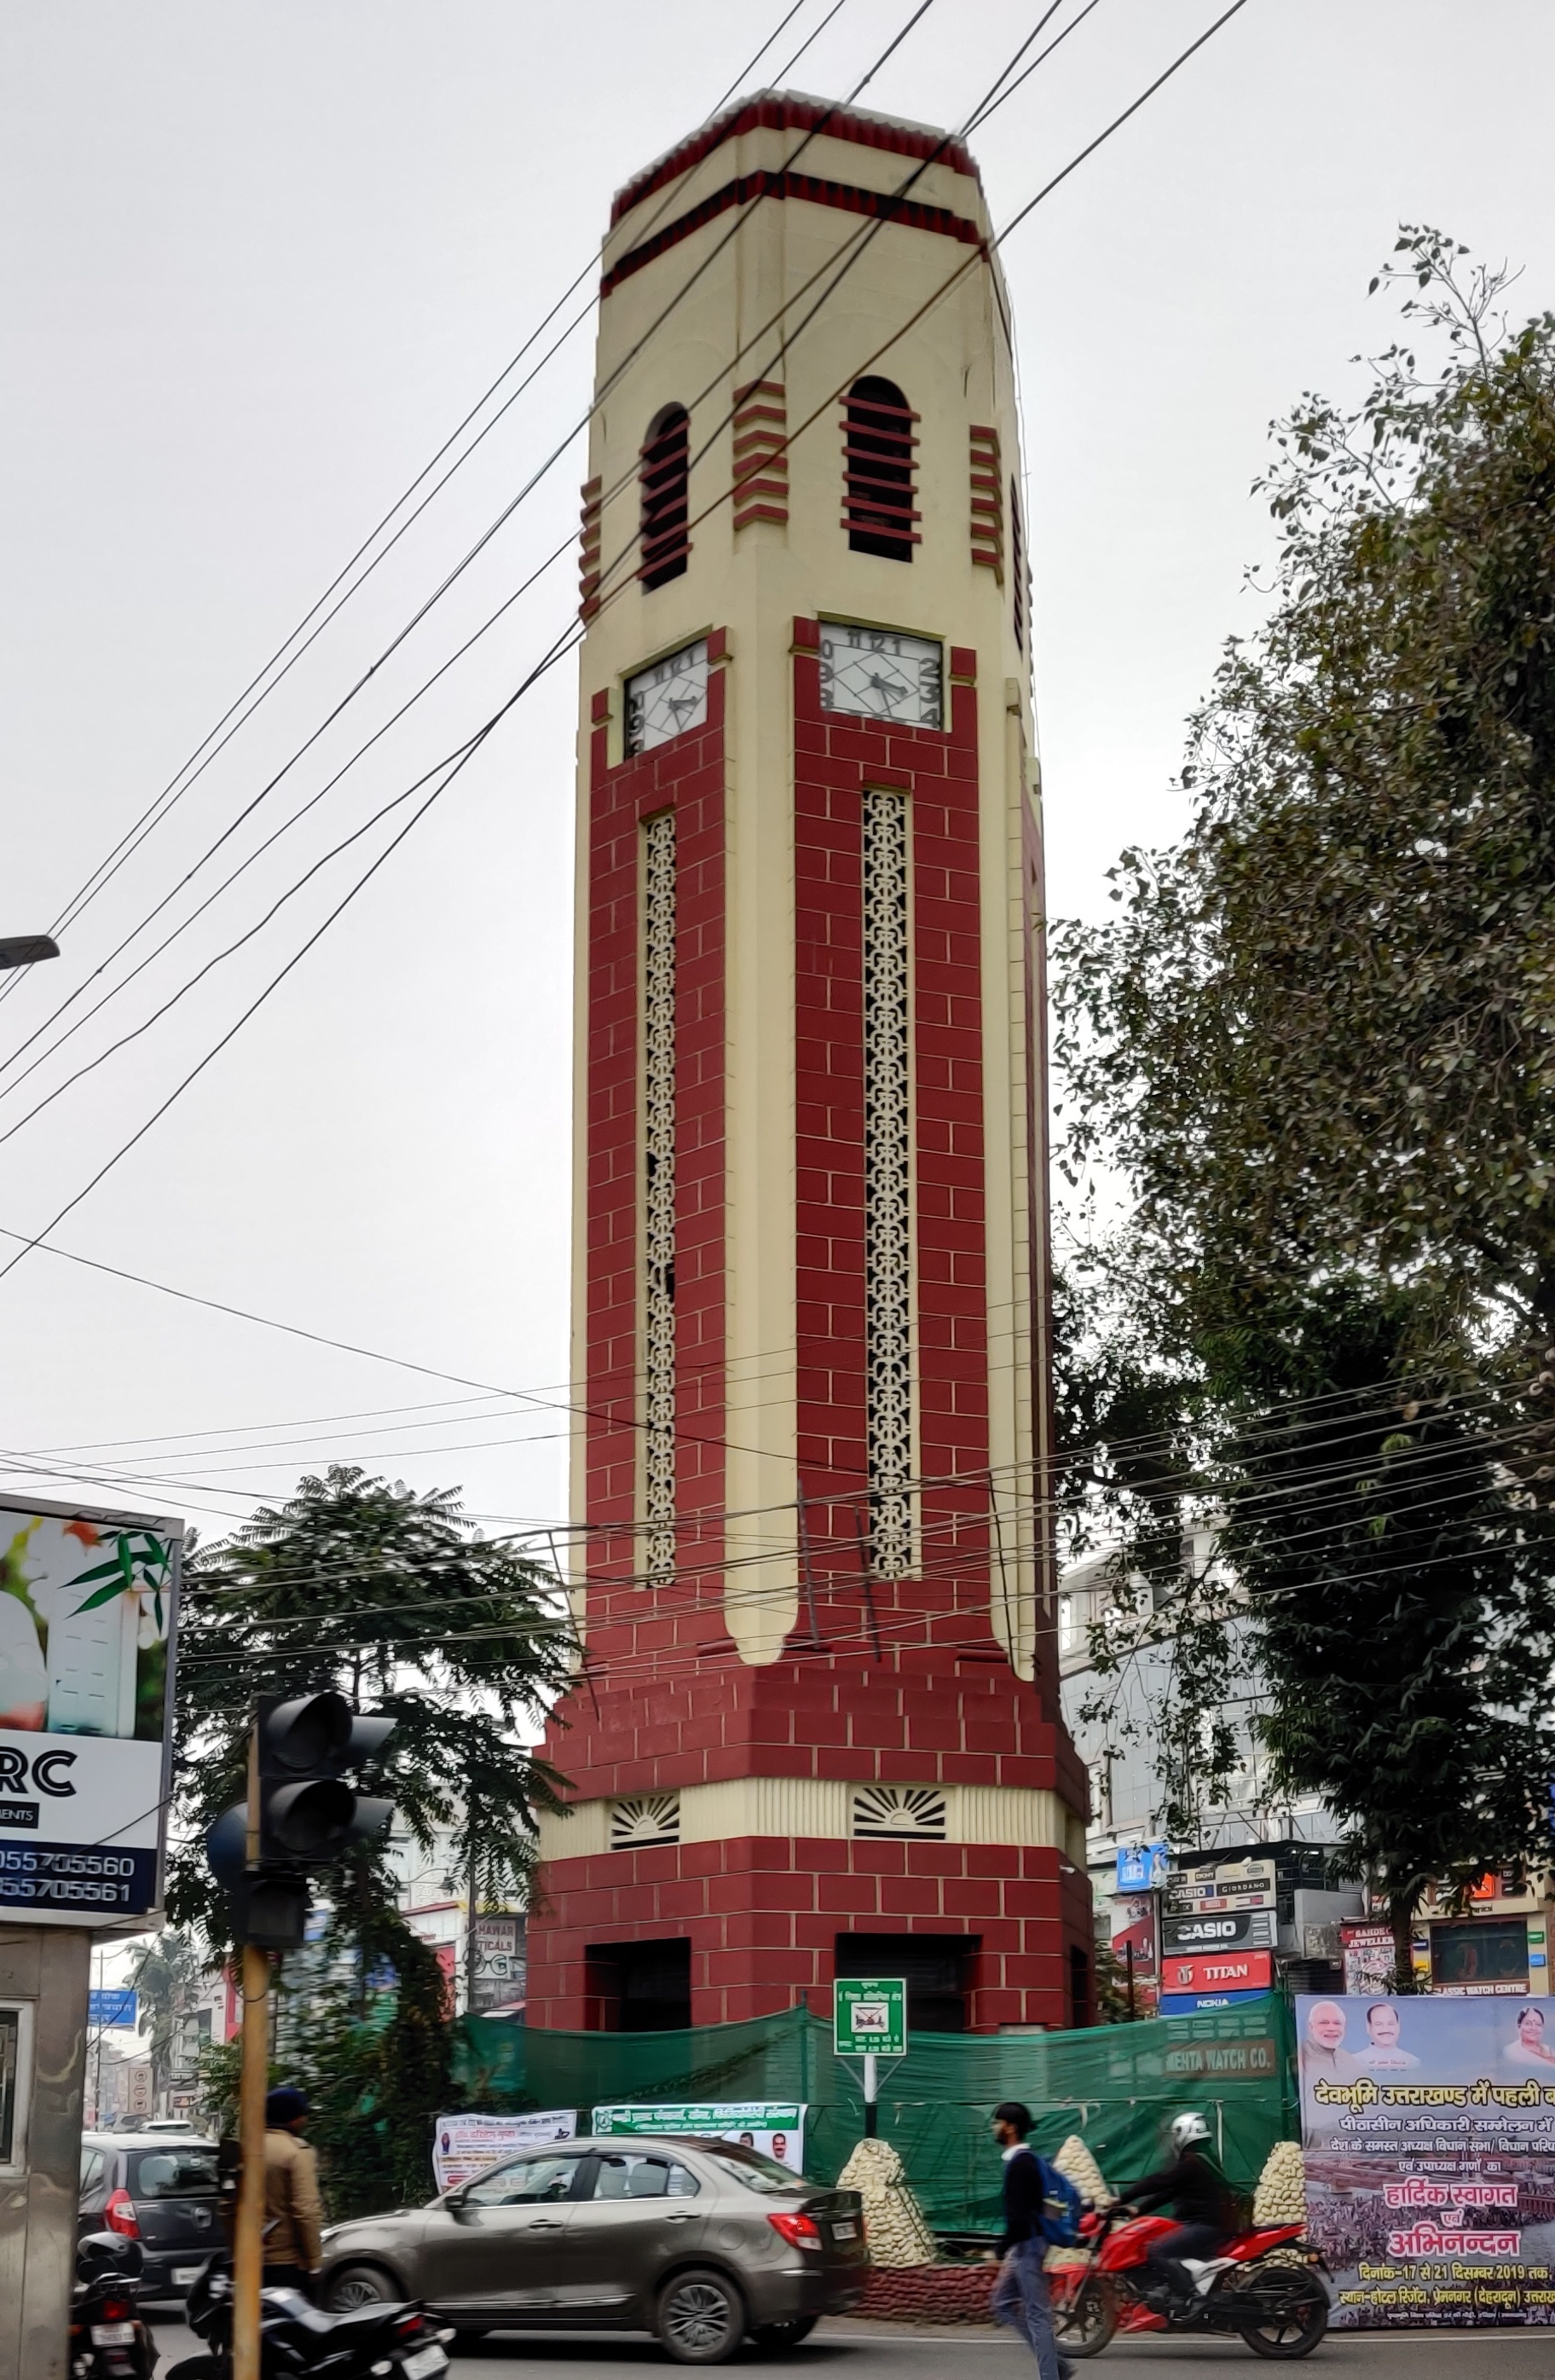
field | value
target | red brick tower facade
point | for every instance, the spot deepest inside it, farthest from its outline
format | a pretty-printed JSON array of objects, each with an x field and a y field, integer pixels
[{"x": 817, "y": 1727}]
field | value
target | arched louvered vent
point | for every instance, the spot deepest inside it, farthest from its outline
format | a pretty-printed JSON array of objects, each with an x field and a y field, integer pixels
[
  {"x": 899, "y": 1813},
  {"x": 665, "y": 475},
  {"x": 878, "y": 462}
]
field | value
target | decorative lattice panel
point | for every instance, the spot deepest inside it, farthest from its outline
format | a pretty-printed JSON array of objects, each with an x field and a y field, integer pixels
[
  {"x": 646, "y": 1819},
  {"x": 906, "y": 1812},
  {"x": 887, "y": 1183},
  {"x": 659, "y": 1121}
]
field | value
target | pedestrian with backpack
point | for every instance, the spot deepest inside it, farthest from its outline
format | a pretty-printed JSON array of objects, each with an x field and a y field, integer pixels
[{"x": 1041, "y": 2210}]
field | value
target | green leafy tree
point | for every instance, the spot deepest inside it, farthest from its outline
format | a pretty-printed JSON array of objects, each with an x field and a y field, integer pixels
[
  {"x": 1321, "y": 1032},
  {"x": 392, "y": 1599},
  {"x": 1317, "y": 1045},
  {"x": 166, "y": 1973},
  {"x": 1399, "y": 1592}
]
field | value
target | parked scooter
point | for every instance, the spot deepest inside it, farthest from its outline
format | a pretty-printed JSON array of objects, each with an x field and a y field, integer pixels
[
  {"x": 1265, "y": 2289},
  {"x": 108, "y": 2340},
  {"x": 388, "y": 2342}
]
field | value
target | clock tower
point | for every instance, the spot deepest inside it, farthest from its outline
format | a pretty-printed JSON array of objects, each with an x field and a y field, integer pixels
[{"x": 815, "y": 1729}]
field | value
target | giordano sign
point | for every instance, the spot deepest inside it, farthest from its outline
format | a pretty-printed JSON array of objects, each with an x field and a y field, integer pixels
[{"x": 88, "y": 1610}]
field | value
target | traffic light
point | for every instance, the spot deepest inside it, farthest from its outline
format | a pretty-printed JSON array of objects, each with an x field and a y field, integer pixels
[{"x": 307, "y": 1814}]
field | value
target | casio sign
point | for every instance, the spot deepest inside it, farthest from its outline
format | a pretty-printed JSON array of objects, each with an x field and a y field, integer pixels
[
  {"x": 47, "y": 1771},
  {"x": 1208, "y": 1930}
]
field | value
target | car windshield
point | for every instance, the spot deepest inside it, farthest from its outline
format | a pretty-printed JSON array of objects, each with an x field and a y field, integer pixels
[
  {"x": 173, "y": 2173},
  {"x": 748, "y": 2166}
]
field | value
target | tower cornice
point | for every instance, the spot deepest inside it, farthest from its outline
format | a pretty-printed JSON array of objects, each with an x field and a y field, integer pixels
[{"x": 794, "y": 111}]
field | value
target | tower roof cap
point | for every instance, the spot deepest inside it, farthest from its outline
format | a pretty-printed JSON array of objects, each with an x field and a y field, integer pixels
[{"x": 794, "y": 111}]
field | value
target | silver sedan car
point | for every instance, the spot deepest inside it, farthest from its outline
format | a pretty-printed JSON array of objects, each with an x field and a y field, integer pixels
[{"x": 703, "y": 2243}]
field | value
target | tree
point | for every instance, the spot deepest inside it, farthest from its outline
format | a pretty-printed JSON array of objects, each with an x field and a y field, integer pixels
[
  {"x": 1321, "y": 1033},
  {"x": 1318, "y": 1044},
  {"x": 165, "y": 1973},
  {"x": 1398, "y": 1586},
  {"x": 391, "y": 1599}
]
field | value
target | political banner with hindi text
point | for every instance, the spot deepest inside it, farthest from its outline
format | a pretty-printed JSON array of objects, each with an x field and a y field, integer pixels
[{"x": 1428, "y": 2139}]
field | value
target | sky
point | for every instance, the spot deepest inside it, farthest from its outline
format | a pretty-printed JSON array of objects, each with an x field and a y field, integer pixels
[{"x": 257, "y": 262}]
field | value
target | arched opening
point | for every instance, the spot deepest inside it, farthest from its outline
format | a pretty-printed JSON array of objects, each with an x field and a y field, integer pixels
[
  {"x": 665, "y": 475},
  {"x": 878, "y": 466}
]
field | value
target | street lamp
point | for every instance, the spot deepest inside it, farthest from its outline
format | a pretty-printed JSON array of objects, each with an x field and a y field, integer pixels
[{"x": 26, "y": 950}]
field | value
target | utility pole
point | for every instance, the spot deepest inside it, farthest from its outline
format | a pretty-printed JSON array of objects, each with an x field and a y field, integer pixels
[
  {"x": 297, "y": 1813},
  {"x": 247, "y": 2247}
]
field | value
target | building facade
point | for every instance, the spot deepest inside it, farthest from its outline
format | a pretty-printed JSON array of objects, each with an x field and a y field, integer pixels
[{"x": 817, "y": 1729}]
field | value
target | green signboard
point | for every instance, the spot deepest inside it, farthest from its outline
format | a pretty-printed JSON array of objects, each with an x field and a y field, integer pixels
[{"x": 870, "y": 2016}]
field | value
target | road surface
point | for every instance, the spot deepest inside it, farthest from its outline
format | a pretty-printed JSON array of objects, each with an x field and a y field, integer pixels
[{"x": 871, "y": 2351}]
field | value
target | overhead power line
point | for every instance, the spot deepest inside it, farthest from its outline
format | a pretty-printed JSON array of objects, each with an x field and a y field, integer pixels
[
  {"x": 451, "y": 578},
  {"x": 562, "y": 644},
  {"x": 152, "y": 815}
]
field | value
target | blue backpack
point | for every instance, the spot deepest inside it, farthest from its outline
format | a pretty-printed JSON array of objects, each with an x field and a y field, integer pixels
[{"x": 1062, "y": 2206}]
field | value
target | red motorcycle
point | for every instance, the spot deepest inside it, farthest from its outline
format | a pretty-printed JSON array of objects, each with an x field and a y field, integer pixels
[{"x": 1265, "y": 2289}]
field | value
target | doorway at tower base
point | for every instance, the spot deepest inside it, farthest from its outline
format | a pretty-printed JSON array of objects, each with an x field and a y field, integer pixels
[{"x": 1117, "y": 2085}]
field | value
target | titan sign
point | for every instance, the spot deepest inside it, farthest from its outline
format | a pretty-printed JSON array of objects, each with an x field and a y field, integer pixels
[{"x": 87, "y": 1604}]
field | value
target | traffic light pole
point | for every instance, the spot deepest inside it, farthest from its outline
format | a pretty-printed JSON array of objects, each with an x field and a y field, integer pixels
[{"x": 247, "y": 2247}]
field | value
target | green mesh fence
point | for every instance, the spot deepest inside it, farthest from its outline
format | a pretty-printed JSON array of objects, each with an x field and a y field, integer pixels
[{"x": 1116, "y": 2085}]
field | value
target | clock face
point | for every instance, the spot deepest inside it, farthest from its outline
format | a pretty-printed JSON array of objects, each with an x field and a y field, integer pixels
[
  {"x": 875, "y": 673},
  {"x": 668, "y": 699}
]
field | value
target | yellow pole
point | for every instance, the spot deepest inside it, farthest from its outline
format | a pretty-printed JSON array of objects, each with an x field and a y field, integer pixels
[{"x": 248, "y": 2257}]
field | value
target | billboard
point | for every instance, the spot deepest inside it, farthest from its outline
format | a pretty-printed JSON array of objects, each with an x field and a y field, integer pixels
[
  {"x": 465, "y": 2145},
  {"x": 1216, "y": 1971},
  {"x": 774, "y": 2128},
  {"x": 499, "y": 1964},
  {"x": 1428, "y": 2139},
  {"x": 1239, "y": 1929},
  {"x": 88, "y": 1611},
  {"x": 1231, "y": 1885}
]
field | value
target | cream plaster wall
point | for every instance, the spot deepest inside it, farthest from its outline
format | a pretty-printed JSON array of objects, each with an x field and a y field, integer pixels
[{"x": 790, "y": 1807}]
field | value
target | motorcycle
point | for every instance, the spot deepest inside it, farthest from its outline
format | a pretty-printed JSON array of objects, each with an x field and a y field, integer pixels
[
  {"x": 108, "y": 2340},
  {"x": 1266, "y": 2289},
  {"x": 297, "y": 2342}
]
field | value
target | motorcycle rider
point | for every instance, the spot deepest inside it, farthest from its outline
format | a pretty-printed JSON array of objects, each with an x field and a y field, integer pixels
[{"x": 1206, "y": 2217}]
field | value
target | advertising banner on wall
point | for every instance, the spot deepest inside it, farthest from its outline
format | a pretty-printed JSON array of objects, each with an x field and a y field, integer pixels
[
  {"x": 776, "y": 2130},
  {"x": 1429, "y": 2138},
  {"x": 1242, "y": 1930},
  {"x": 500, "y": 1966},
  {"x": 87, "y": 1608},
  {"x": 1134, "y": 1946},
  {"x": 1216, "y": 1971},
  {"x": 465, "y": 2145},
  {"x": 1229, "y": 1886}
]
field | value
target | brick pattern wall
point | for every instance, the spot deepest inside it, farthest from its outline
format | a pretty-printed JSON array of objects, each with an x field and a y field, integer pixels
[
  {"x": 687, "y": 773},
  {"x": 763, "y": 1918},
  {"x": 903, "y": 1681},
  {"x": 836, "y": 757}
]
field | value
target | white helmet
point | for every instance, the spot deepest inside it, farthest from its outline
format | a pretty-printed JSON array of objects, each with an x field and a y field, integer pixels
[{"x": 1187, "y": 2132}]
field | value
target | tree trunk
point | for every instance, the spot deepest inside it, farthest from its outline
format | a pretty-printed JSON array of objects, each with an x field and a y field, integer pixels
[{"x": 1401, "y": 1917}]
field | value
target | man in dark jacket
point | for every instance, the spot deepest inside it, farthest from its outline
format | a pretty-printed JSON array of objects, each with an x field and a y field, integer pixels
[
  {"x": 1020, "y": 2294},
  {"x": 1195, "y": 2185}
]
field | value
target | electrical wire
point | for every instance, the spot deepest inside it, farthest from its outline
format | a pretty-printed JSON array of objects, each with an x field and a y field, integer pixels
[
  {"x": 478, "y": 547},
  {"x": 475, "y": 743},
  {"x": 992, "y": 99},
  {"x": 94, "y": 883}
]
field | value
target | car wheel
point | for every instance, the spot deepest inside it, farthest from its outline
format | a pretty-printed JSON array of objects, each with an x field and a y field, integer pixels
[
  {"x": 772, "y": 2338},
  {"x": 701, "y": 2318},
  {"x": 360, "y": 2285}
]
